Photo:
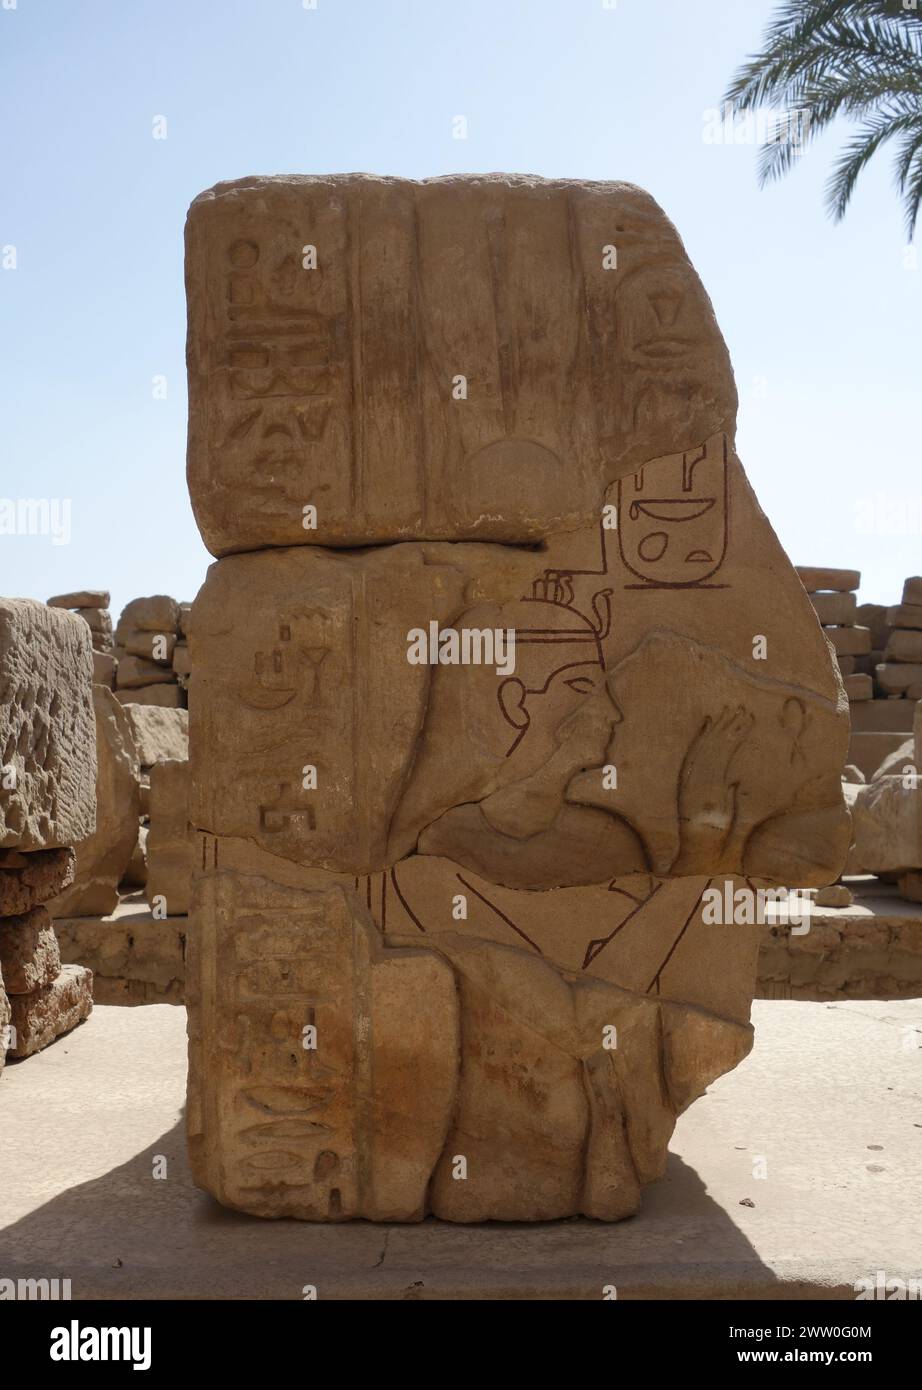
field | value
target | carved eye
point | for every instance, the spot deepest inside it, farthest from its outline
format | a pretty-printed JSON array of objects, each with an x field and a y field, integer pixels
[{"x": 583, "y": 685}]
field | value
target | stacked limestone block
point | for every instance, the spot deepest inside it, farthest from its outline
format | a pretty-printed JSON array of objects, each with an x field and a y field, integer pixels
[
  {"x": 145, "y": 639},
  {"x": 47, "y": 805},
  {"x": 104, "y": 856},
  {"x": 875, "y": 617},
  {"x": 181, "y": 661},
  {"x": 92, "y": 605},
  {"x": 833, "y": 595},
  {"x": 160, "y": 735},
  {"x": 900, "y": 671},
  {"x": 170, "y": 847},
  {"x": 452, "y": 947}
]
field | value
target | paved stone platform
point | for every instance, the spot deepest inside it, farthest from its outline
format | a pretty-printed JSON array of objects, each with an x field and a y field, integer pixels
[
  {"x": 828, "y": 1105},
  {"x": 869, "y": 950}
]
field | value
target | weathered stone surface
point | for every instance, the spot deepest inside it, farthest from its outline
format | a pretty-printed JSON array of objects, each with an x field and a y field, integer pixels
[
  {"x": 29, "y": 956},
  {"x": 911, "y": 886},
  {"x": 885, "y": 821},
  {"x": 487, "y": 881},
  {"x": 104, "y": 856},
  {"x": 846, "y": 665},
  {"x": 896, "y": 677},
  {"x": 97, "y": 619},
  {"x": 834, "y": 895},
  {"x": 904, "y": 644},
  {"x": 134, "y": 672},
  {"x": 159, "y": 734},
  {"x": 496, "y": 767},
  {"x": 160, "y": 696},
  {"x": 859, "y": 687},
  {"x": 47, "y": 740},
  {"x": 152, "y": 646},
  {"x": 338, "y": 387},
  {"x": 26, "y": 880},
  {"x": 103, "y": 669},
  {"x": 899, "y": 761},
  {"x": 135, "y": 958},
  {"x": 912, "y": 590},
  {"x": 883, "y": 716},
  {"x": 170, "y": 846},
  {"x": 871, "y": 949},
  {"x": 185, "y": 612},
  {"x": 81, "y": 598},
  {"x": 156, "y": 613},
  {"x": 905, "y": 615},
  {"x": 847, "y": 641},
  {"x": 868, "y": 750},
  {"x": 346, "y": 1121},
  {"x": 135, "y": 876},
  {"x": 817, "y": 580},
  {"x": 181, "y": 662},
  {"x": 835, "y": 608},
  {"x": 47, "y": 1013},
  {"x": 874, "y": 617}
]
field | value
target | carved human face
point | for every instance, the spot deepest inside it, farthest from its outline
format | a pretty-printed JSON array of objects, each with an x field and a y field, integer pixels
[{"x": 672, "y": 517}]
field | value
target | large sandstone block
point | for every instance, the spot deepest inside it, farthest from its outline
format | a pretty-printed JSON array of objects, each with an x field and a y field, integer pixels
[
  {"x": 816, "y": 579},
  {"x": 170, "y": 846},
  {"x": 45, "y": 1014},
  {"x": 158, "y": 696},
  {"x": 159, "y": 734},
  {"x": 104, "y": 856},
  {"x": 313, "y": 736},
  {"x": 904, "y": 644},
  {"x": 847, "y": 641},
  {"x": 323, "y": 1066},
  {"x": 463, "y": 810},
  {"x": 905, "y": 615},
  {"x": 135, "y": 958},
  {"x": 134, "y": 671},
  {"x": 81, "y": 598},
  {"x": 155, "y": 613},
  {"x": 897, "y": 678},
  {"x": 96, "y": 619},
  {"x": 883, "y": 717},
  {"x": 27, "y": 880},
  {"x": 152, "y": 646},
  {"x": 474, "y": 357},
  {"x": 885, "y": 818},
  {"x": 29, "y": 956},
  {"x": 47, "y": 738},
  {"x": 836, "y": 609},
  {"x": 103, "y": 669}
]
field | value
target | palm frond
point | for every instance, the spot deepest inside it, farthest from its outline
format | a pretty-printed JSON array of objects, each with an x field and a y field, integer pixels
[
  {"x": 912, "y": 195},
  {"x": 858, "y": 152},
  {"x": 860, "y": 59}
]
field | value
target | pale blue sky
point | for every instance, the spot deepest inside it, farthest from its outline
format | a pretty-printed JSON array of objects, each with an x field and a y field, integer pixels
[{"x": 822, "y": 321}]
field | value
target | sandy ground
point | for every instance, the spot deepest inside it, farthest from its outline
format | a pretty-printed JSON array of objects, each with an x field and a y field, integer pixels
[{"x": 828, "y": 1106}]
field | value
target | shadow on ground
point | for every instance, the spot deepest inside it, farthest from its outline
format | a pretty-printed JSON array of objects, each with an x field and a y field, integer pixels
[{"x": 131, "y": 1234}]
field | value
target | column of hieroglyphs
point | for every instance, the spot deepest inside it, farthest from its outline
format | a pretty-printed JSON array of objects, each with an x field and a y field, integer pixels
[
  {"x": 507, "y": 709},
  {"x": 47, "y": 805}
]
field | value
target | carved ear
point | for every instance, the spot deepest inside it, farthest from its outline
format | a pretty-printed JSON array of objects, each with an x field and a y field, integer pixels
[{"x": 511, "y": 696}]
